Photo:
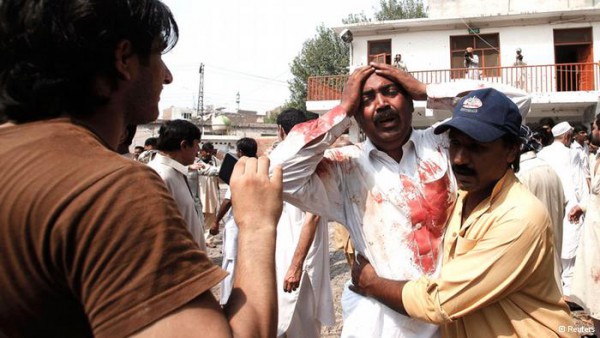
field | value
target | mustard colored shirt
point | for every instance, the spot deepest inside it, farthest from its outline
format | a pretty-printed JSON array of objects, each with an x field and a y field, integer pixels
[{"x": 497, "y": 277}]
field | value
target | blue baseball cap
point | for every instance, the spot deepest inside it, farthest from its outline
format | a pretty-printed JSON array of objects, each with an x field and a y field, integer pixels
[{"x": 484, "y": 115}]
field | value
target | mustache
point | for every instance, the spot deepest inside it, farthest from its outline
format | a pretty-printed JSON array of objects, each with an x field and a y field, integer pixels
[
  {"x": 385, "y": 113},
  {"x": 463, "y": 170}
]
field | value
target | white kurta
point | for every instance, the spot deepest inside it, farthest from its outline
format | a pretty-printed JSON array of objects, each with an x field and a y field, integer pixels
[
  {"x": 566, "y": 164},
  {"x": 585, "y": 289},
  {"x": 230, "y": 236},
  {"x": 395, "y": 212},
  {"x": 174, "y": 174},
  {"x": 316, "y": 269}
]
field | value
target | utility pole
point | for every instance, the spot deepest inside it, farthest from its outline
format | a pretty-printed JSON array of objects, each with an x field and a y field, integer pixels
[
  {"x": 237, "y": 100},
  {"x": 200, "y": 108}
]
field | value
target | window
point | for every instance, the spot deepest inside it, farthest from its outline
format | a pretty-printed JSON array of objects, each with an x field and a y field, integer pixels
[
  {"x": 380, "y": 51},
  {"x": 485, "y": 46}
]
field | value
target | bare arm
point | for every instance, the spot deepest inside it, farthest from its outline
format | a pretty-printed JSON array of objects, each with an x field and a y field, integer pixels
[
  {"x": 366, "y": 282},
  {"x": 292, "y": 279},
  {"x": 251, "y": 310},
  {"x": 214, "y": 227},
  {"x": 252, "y": 307}
]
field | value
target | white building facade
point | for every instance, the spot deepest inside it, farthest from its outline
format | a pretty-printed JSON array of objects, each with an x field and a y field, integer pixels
[{"x": 559, "y": 40}]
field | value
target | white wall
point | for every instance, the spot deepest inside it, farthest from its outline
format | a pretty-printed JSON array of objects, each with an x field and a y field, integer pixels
[
  {"x": 473, "y": 8},
  {"x": 431, "y": 50}
]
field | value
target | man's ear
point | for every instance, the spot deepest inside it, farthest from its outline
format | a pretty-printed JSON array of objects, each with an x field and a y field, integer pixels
[
  {"x": 183, "y": 145},
  {"x": 124, "y": 60},
  {"x": 281, "y": 133}
]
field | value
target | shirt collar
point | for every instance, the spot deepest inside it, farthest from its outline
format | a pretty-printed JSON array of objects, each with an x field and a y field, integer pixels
[
  {"x": 507, "y": 180},
  {"x": 528, "y": 156},
  {"x": 169, "y": 162},
  {"x": 407, "y": 147}
]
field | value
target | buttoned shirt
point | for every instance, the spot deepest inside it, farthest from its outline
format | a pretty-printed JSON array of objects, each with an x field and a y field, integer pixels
[
  {"x": 394, "y": 211},
  {"x": 174, "y": 174},
  {"x": 497, "y": 275}
]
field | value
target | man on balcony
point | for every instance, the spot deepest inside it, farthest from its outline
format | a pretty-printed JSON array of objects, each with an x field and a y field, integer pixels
[
  {"x": 472, "y": 64},
  {"x": 393, "y": 192}
]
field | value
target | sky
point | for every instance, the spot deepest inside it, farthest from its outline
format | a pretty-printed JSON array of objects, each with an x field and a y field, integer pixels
[{"x": 246, "y": 46}]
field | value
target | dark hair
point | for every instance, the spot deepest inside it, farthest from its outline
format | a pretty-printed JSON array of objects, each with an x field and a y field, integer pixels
[
  {"x": 547, "y": 121},
  {"x": 578, "y": 127},
  {"x": 208, "y": 147},
  {"x": 290, "y": 117},
  {"x": 597, "y": 120},
  {"x": 139, "y": 148},
  {"x": 509, "y": 141},
  {"x": 151, "y": 141},
  {"x": 247, "y": 146},
  {"x": 171, "y": 133},
  {"x": 54, "y": 50}
]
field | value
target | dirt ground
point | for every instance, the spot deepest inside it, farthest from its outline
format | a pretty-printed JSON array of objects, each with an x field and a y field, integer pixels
[{"x": 340, "y": 273}]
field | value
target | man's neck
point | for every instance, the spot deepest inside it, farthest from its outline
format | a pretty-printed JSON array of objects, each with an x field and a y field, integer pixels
[
  {"x": 175, "y": 156},
  {"x": 106, "y": 124},
  {"x": 473, "y": 199}
]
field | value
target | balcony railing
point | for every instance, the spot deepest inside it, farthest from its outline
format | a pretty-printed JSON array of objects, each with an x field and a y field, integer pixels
[{"x": 564, "y": 77}]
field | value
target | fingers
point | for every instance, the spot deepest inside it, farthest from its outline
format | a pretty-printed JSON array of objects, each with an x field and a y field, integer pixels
[
  {"x": 250, "y": 178},
  {"x": 277, "y": 176}
]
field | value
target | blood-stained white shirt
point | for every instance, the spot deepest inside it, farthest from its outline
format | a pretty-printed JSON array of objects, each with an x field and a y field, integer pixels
[{"x": 395, "y": 211}]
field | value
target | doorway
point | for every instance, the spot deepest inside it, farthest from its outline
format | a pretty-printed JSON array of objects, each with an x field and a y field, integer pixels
[{"x": 573, "y": 58}]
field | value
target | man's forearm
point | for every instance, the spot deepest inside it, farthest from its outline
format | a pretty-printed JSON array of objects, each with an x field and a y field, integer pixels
[
  {"x": 389, "y": 293},
  {"x": 252, "y": 306},
  {"x": 307, "y": 236}
]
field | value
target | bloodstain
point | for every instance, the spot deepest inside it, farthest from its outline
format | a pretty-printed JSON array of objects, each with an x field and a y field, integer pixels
[
  {"x": 322, "y": 169},
  {"x": 315, "y": 128},
  {"x": 429, "y": 203},
  {"x": 596, "y": 275},
  {"x": 377, "y": 198}
]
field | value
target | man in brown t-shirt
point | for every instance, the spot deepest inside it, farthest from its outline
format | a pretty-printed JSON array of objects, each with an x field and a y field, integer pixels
[{"x": 84, "y": 252}]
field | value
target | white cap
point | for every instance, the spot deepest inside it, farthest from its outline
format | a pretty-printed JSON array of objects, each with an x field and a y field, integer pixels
[{"x": 561, "y": 128}]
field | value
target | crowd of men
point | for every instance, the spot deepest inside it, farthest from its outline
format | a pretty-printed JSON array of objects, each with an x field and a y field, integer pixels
[{"x": 469, "y": 228}]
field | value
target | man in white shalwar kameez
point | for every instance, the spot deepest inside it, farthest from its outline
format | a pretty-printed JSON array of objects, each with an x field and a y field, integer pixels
[
  {"x": 585, "y": 289},
  {"x": 305, "y": 299},
  {"x": 393, "y": 192},
  {"x": 569, "y": 168}
]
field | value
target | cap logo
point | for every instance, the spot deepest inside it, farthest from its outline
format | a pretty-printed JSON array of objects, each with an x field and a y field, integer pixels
[{"x": 472, "y": 103}]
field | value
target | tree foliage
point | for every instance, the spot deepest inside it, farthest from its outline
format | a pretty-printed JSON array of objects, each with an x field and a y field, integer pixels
[
  {"x": 355, "y": 18},
  {"x": 324, "y": 54},
  {"x": 327, "y": 54},
  {"x": 400, "y": 9}
]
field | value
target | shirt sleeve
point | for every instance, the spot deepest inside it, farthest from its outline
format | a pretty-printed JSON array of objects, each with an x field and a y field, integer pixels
[
  {"x": 483, "y": 270},
  {"x": 446, "y": 95},
  {"x": 311, "y": 181},
  {"x": 129, "y": 257}
]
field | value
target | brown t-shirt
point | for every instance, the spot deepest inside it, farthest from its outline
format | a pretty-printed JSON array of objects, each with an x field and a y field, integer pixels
[{"x": 91, "y": 243}]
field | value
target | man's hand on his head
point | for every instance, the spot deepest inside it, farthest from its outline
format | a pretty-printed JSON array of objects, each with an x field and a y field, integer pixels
[
  {"x": 256, "y": 198},
  {"x": 353, "y": 89},
  {"x": 415, "y": 88}
]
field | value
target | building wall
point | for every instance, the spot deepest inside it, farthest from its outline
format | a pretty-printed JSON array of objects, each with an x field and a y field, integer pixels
[
  {"x": 471, "y": 8},
  {"x": 431, "y": 50}
]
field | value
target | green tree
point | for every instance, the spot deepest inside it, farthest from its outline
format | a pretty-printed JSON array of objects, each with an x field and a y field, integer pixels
[
  {"x": 355, "y": 18},
  {"x": 324, "y": 54},
  {"x": 400, "y": 9}
]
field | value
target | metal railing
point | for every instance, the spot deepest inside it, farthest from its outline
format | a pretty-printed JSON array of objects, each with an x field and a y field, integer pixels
[{"x": 564, "y": 77}]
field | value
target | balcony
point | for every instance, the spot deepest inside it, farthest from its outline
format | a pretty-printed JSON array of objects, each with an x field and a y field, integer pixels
[{"x": 540, "y": 79}]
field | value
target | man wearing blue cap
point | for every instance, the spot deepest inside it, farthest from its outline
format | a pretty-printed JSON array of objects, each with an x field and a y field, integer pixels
[{"x": 497, "y": 276}]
